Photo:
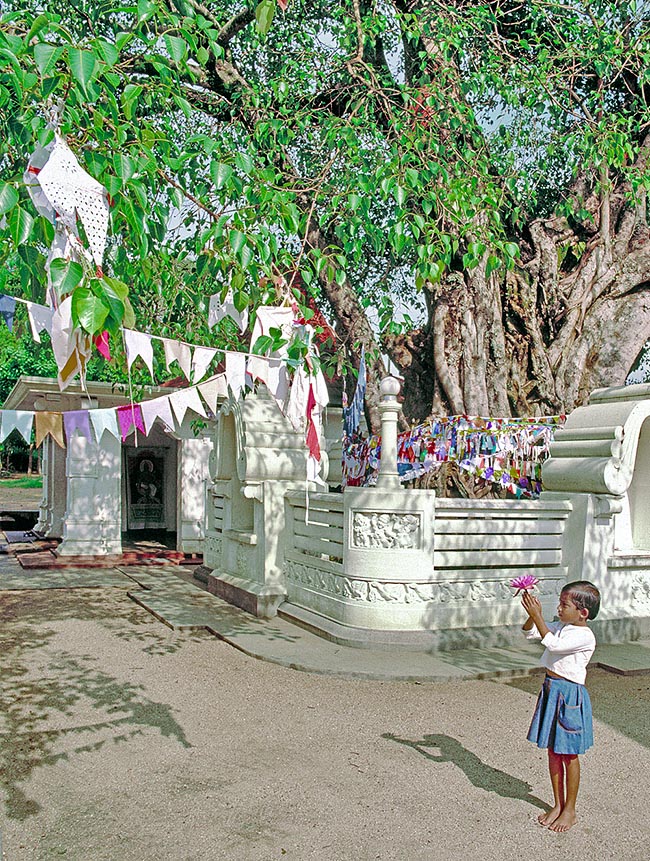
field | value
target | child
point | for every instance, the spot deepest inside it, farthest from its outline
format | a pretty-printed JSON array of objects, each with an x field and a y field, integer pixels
[{"x": 562, "y": 721}]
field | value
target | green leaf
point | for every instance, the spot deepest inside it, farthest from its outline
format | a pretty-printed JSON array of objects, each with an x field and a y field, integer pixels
[
  {"x": 20, "y": 225},
  {"x": 493, "y": 263},
  {"x": 237, "y": 240},
  {"x": 83, "y": 65},
  {"x": 262, "y": 345},
  {"x": 8, "y": 197},
  {"x": 146, "y": 8},
  {"x": 244, "y": 162},
  {"x": 46, "y": 57},
  {"x": 264, "y": 16},
  {"x": 115, "y": 287},
  {"x": 176, "y": 47},
  {"x": 65, "y": 276},
  {"x": 220, "y": 173},
  {"x": 89, "y": 310},
  {"x": 107, "y": 51},
  {"x": 124, "y": 166}
]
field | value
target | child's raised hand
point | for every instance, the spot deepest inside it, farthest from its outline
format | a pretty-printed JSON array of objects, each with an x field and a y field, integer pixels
[{"x": 531, "y": 605}]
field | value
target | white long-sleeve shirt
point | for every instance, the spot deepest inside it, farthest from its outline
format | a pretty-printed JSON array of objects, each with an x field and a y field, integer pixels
[{"x": 568, "y": 649}]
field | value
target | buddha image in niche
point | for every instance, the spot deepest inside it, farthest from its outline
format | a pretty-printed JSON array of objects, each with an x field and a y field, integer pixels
[{"x": 148, "y": 482}]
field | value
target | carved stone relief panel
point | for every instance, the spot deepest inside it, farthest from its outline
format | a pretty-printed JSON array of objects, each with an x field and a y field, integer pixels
[
  {"x": 375, "y": 591},
  {"x": 387, "y": 530},
  {"x": 245, "y": 562},
  {"x": 641, "y": 590},
  {"x": 213, "y": 548}
]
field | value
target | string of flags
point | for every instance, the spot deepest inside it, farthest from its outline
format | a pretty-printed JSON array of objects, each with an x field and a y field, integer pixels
[
  {"x": 508, "y": 452},
  {"x": 117, "y": 421},
  {"x": 64, "y": 193}
]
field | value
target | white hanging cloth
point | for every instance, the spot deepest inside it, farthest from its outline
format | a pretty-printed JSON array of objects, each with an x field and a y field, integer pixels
[
  {"x": 236, "y": 372},
  {"x": 72, "y": 192},
  {"x": 268, "y": 318},
  {"x": 40, "y": 319}
]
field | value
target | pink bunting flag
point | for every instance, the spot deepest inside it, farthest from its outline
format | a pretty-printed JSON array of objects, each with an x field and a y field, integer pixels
[
  {"x": 103, "y": 346},
  {"x": 130, "y": 416}
]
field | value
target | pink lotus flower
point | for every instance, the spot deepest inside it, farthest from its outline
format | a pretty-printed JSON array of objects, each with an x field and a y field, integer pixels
[{"x": 524, "y": 583}]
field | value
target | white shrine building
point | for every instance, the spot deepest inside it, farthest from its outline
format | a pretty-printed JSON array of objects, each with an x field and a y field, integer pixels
[{"x": 95, "y": 492}]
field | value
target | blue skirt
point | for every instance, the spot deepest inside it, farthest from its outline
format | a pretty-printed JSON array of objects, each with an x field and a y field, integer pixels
[{"x": 563, "y": 718}]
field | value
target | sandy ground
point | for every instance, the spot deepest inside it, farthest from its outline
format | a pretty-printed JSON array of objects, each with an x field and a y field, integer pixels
[
  {"x": 20, "y": 498},
  {"x": 123, "y": 740}
]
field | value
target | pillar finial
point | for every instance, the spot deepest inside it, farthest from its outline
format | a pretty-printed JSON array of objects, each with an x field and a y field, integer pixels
[{"x": 388, "y": 478}]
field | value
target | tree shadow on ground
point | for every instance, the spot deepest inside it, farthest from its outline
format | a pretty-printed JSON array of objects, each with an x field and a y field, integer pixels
[
  {"x": 68, "y": 686},
  {"x": 483, "y": 776},
  {"x": 622, "y": 702}
]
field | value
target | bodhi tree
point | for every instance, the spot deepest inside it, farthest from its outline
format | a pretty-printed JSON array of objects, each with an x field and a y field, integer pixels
[{"x": 482, "y": 168}]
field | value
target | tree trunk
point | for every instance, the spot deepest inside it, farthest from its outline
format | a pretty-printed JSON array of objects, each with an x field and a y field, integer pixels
[{"x": 572, "y": 316}]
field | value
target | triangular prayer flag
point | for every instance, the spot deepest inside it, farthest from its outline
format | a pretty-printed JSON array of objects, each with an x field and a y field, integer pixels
[
  {"x": 212, "y": 389},
  {"x": 201, "y": 360},
  {"x": 218, "y": 310},
  {"x": 40, "y": 319},
  {"x": 130, "y": 416},
  {"x": 180, "y": 352},
  {"x": 7, "y": 309},
  {"x": 138, "y": 344},
  {"x": 77, "y": 420},
  {"x": 184, "y": 400},
  {"x": 101, "y": 341},
  {"x": 49, "y": 423},
  {"x": 157, "y": 408},
  {"x": 20, "y": 420},
  {"x": 236, "y": 372},
  {"x": 104, "y": 420}
]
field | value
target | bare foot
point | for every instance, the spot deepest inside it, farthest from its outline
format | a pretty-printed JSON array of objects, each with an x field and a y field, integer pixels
[
  {"x": 566, "y": 819},
  {"x": 546, "y": 819}
]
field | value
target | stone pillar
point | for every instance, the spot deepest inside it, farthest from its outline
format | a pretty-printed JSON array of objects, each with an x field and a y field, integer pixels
[
  {"x": 192, "y": 479},
  {"x": 45, "y": 505},
  {"x": 56, "y": 491},
  {"x": 94, "y": 477},
  {"x": 388, "y": 478}
]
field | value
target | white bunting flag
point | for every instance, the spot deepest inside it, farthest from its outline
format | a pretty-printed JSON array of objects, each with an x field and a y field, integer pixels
[
  {"x": 218, "y": 310},
  {"x": 212, "y": 390},
  {"x": 236, "y": 372},
  {"x": 20, "y": 420},
  {"x": 40, "y": 319},
  {"x": 157, "y": 408},
  {"x": 177, "y": 351},
  {"x": 184, "y": 400},
  {"x": 138, "y": 344},
  {"x": 201, "y": 360},
  {"x": 104, "y": 420}
]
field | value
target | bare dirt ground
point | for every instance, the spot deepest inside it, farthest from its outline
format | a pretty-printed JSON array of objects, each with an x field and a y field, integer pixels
[
  {"x": 123, "y": 740},
  {"x": 19, "y": 498}
]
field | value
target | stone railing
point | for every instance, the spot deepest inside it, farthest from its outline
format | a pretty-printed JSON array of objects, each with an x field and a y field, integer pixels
[{"x": 313, "y": 556}]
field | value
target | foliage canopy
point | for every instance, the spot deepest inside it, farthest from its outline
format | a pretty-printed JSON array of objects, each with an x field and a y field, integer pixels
[{"x": 361, "y": 155}]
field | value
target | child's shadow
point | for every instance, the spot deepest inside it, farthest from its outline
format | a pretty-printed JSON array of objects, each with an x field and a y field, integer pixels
[{"x": 478, "y": 773}]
